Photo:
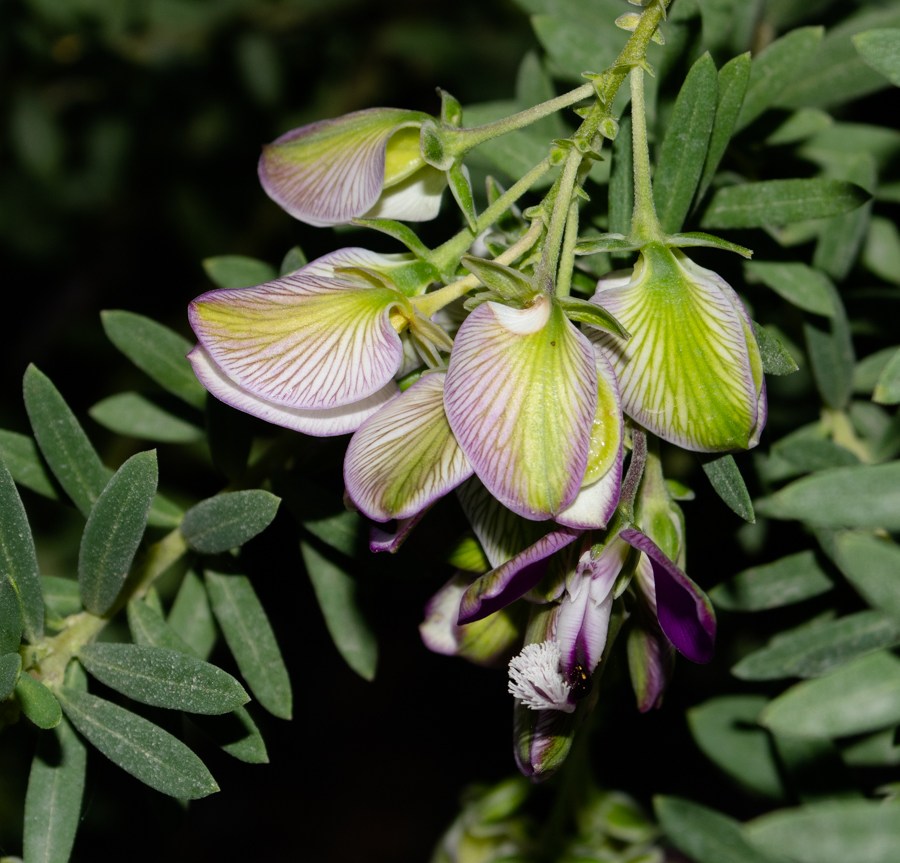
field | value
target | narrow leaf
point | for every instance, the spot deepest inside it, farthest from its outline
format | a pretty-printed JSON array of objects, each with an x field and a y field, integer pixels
[
  {"x": 114, "y": 530},
  {"x": 238, "y": 271},
  {"x": 228, "y": 520},
  {"x": 871, "y": 565},
  {"x": 792, "y": 579},
  {"x": 341, "y": 531},
  {"x": 336, "y": 593},
  {"x": 37, "y": 702},
  {"x": 235, "y": 733},
  {"x": 881, "y": 254},
  {"x": 10, "y": 668},
  {"x": 294, "y": 260},
  {"x": 726, "y": 479},
  {"x": 887, "y": 389},
  {"x": 132, "y": 414},
  {"x": 775, "y": 358},
  {"x": 191, "y": 617},
  {"x": 697, "y": 238},
  {"x": 21, "y": 455},
  {"x": 251, "y": 640},
  {"x": 831, "y": 355},
  {"x": 62, "y": 597},
  {"x": 799, "y": 126},
  {"x": 869, "y": 369},
  {"x": 881, "y": 50},
  {"x": 149, "y": 628},
  {"x": 139, "y": 747},
  {"x": 799, "y": 284},
  {"x": 505, "y": 281},
  {"x": 398, "y": 231}
]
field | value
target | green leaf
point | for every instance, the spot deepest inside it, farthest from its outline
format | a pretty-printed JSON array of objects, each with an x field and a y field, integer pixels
[
  {"x": 235, "y": 733},
  {"x": 871, "y": 565},
  {"x": 831, "y": 355},
  {"x": 799, "y": 126},
  {"x": 164, "y": 513},
  {"x": 576, "y": 48},
  {"x": 191, "y": 617},
  {"x": 832, "y": 831},
  {"x": 792, "y": 457},
  {"x": 726, "y": 479},
  {"x": 294, "y": 260},
  {"x": 251, "y": 640},
  {"x": 775, "y": 358},
  {"x": 733, "y": 79},
  {"x": 10, "y": 667},
  {"x": 533, "y": 86},
  {"x": 164, "y": 678},
  {"x": 62, "y": 597},
  {"x": 775, "y": 68},
  {"x": 139, "y": 747},
  {"x": 591, "y": 313},
  {"x": 621, "y": 185},
  {"x": 37, "y": 702},
  {"x": 505, "y": 281},
  {"x": 799, "y": 284},
  {"x": 606, "y": 243},
  {"x": 400, "y": 232},
  {"x": 228, "y": 520},
  {"x": 881, "y": 254},
  {"x": 837, "y": 149},
  {"x": 343, "y": 531},
  {"x": 19, "y": 579},
  {"x": 461, "y": 189},
  {"x": 812, "y": 652},
  {"x": 132, "y": 414},
  {"x": 880, "y": 49},
  {"x": 876, "y": 750},
  {"x": 114, "y": 530},
  {"x": 887, "y": 389},
  {"x": 21, "y": 455},
  {"x": 55, "y": 791},
  {"x": 63, "y": 443},
  {"x": 149, "y": 628},
  {"x": 725, "y": 730},
  {"x": 777, "y": 202},
  {"x": 860, "y": 696},
  {"x": 336, "y": 593},
  {"x": 238, "y": 271},
  {"x": 705, "y": 835},
  {"x": 696, "y": 238},
  {"x": 791, "y": 579},
  {"x": 684, "y": 147},
  {"x": 157, "y": 351},
  {"x": 869, "y": 369}
]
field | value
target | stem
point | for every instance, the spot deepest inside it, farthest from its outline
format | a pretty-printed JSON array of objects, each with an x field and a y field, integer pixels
[
  {"x": 567, "y": 256},
  {"x": 546, "y": 270},
  {"x": 644, "y": 222},
  {"x": 428, "y": 304},
  {"x": 450, "y": 252},
  {"x": 635, "y": 470}
]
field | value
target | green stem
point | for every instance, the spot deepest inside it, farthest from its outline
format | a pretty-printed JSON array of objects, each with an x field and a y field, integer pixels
[
  {"x": 567, "y": 256},
  {"x": 546, "y": 270},
  {"x": 645, "y": 225}
]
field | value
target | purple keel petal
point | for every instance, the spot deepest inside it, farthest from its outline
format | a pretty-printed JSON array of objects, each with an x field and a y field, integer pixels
[
  {"x": 392, "y": 536},
  {"x": 683, "y": 609}
]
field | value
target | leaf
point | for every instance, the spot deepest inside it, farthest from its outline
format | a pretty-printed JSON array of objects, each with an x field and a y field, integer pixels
[
  {"x": 292, "y": 261},
  {"x": 55, "y": 791},
  {"x": 799, "y": 126},
  {"x": 725, "y": 730},
  {"x": 880, "y": 49},
  {"x": 63, "y": 443},
  {"x": 505, "y": 281},
  {"x": 775, "y": 358},
  {"x": 157, "y": 351},
  {"x": 732, "y": 85},
  {"x": 869, "y": 369},
  {"x": 235, "y": 733},
  {"x": 132, "y": 414},
  {"x": 575, "y": 48},
  {"x": 342, "y": 531},
  {"x": 775, "y": 68},
  {"x": 251, "y": 640},
  {"x": 799, "y": 284},
  {"x": 793, "y": 457},
  {"x": 336, "y": 594},
  {"x": 881, "y": 254},
  {"x": 19, "y": 580},
  {"x": 832, "y": 831},
  {"x": 705, "y": 835},
  {"x": 10, "y": 667},
  {"x": 149, "y": 628},
  {"x": 164, "y": 513},
  {"x": 114, "y": 530},
  {"x": 683, "y": 151},
  {"x": 37, "y": 702},
  {"x": 887, "y": 390},
  {"x": 860, "y": 696},
  {"x": 139, "y": 747},
  {"x": 871, "y": 565},
  {"x": 238, "y": 271},
  {"x": 21, "y": 455},
  {"x": 163, "y": 678},
  {"x": 726, "y": 479},
  {"x": 876, "y": 750},
  {"x": 791, "y": 579},
  {"x": 191, "y": 617},
  {"x": 863, "y": 496},
  {"x": 816, "y": 651},
  {"x": 461, "y": 189},
  {"x": 831, "y": 355},
  {"x": 62, "y": 597},
  {"x": 228, "y": 520},
  {"x": 778, "y": 202}
]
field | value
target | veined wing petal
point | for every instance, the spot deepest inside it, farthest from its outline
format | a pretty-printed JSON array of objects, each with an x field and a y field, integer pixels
[
  {"x": 391, "y": 538},
  {"x": 416, "y": 199},
  {"x": 302, "y": 341},
  {"x": 320, "y": 423},
  {"x": 352, "y": 256},
  {"x": 521, "y": 397},
  {"x": 405, "y": 457}
]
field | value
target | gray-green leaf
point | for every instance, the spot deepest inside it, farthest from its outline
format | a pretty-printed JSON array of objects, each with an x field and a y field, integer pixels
[
  {"x": 881, "y": 50},
  {"x": 62, "y": 597},
  {"x": 139, "y": 747},
  {"x": 798, "y": 283},
  {"x": 775, "y": 358},
  {"x": 114, "y": 530},
  {"x": 341, "y": 531},
  {"x": 132, "y": 414},
  {"x": 20, "y": 453},
  {"x": 37, "y": 702},
  {"x": 10, "y": 667},
  {"x": 191, "y": 617},
  {"x": 792, "y": 579},
  {"x": 149, "y": 628},
  {"x": 251, "y": 640},
  {"x": 726, "y": 479},
  {"x": 228, "y": 520},
  {"x": 871, "y": 565},
  {"x": 831, "y": 356},
  {"x": 235, "y": 733},
  {"x": 238, "y": 271},
  {"x": 881, "y": 254}
]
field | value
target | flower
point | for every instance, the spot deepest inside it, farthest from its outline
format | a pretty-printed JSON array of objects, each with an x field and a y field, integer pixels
[
  {"x": 367, "y": 163},
  {"x": 692, "y": 371}
]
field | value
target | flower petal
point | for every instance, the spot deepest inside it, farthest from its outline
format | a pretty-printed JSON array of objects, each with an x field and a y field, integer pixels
[
  {"x": 687, "y": 373},
  {"x": 302, "y": 341},
  {"x": 320, "y": 423},
  {"x": 416, "y": 199},
  {"x": 521, "y": 396},
  {"x": 405, "y": 457},
  {"x": 684, "y": 611},
  {"x": 391, "y": 538},
  {"x": 330, "y": 172},
  {"x": 351, "y": 256},
  {"x": 499, "y": 587}
]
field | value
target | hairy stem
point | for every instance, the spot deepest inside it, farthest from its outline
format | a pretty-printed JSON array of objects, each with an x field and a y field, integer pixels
[
  {"x": 644, "y": 222},
  {"x": 546, "y": 270}
]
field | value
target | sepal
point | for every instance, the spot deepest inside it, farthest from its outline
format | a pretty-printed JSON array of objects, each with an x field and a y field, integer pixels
[
  {"x": 451, "y": 110},
  {"x": 503, "y": 281},
  {"x": 461, "y": 187},
  {"x": 399, "y": 231},
  {"x": 591, "y": 313},
  {"x": 698, "y": 238}
]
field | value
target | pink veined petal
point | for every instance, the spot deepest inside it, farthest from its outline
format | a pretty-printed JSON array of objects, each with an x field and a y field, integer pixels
[
  {"x": 332, "y": 171},
  {"x": 302, "y": 341},
  {"x": 595, "y": 504},
  {"x": 352, "y": 256},
  {"x": 405, "y": 457},
  {"x": 320, "y": 423},
  {"x": 416, "y": 199},
  {"x": 521, "y": 396}
]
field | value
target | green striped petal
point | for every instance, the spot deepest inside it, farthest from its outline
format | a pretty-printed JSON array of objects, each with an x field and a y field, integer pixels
[
  {"x": 330, "y": 172},
  {"x": 691, "y": 372},
  {"x": 521, "y": 398},
  {"x": 405, "y": 457}
]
